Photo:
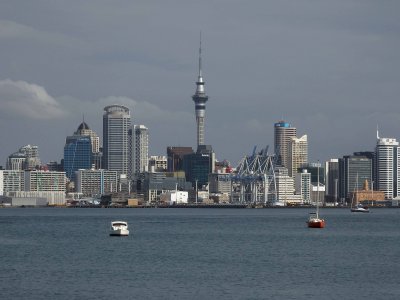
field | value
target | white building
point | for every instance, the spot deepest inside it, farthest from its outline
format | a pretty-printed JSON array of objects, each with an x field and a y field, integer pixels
[
  {"x": 51, "y": 197},
  {"x": 297, "y": 153},
  {"x": 29, "y": 186},
  {"x": 140, "y": 146},
  {"x": 96, "y": 182},
  {"x": 388, "y": 167},
  {"x": 11, "y": 181},
  {"x": 303, "y": 185},
  {"x": 45, "y": 181},
  {"x": 284, "y": 185},
  {"x": 27, "y": 158},
  {"x": 174, "y": 197}
]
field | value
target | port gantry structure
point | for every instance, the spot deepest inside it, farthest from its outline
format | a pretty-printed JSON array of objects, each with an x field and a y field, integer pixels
[{"x": 254, "y": 183}]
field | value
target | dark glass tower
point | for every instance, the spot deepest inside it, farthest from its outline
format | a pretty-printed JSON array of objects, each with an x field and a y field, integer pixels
[{"x": 77, "y": 154}]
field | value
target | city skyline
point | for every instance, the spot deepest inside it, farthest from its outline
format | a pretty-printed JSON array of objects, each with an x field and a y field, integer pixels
[{"x": 330, "y": 69}]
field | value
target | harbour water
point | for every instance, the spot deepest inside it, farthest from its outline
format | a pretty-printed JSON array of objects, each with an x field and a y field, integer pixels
[{"x": 59, "y": 253}]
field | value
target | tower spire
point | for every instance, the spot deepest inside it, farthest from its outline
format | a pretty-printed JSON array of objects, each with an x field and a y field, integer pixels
[
  {"x": 200, "y": 58},
  {"x": 200, "y": 98}
]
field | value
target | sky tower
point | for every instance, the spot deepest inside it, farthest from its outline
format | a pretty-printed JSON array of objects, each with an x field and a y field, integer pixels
[{"x": 200, "y": 98}]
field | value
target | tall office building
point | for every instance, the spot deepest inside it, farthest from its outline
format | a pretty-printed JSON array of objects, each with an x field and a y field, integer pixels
[
  {"x": 200, "y": 98},
  {"x": 353, "y": 171},
  {"x": 283, "y": 132},
  {"x": 199, "y": 165},
  {"x": 388, "y": 167},
  {"x": 175, "y": 156},
  {"x": 140, "y": 147},
  {"x": 116, "y": 125},
  {"x": 297, "y": 154},
  {"x": 77, "y": 154},
  {"x": 332, "y": 180},
  {"x": 84, "y": 129}
]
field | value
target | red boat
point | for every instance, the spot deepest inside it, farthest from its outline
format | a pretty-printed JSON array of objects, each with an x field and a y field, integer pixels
[{"x": 315, "y": 222}]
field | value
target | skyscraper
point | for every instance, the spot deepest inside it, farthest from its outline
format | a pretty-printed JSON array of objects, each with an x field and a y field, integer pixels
[
  {"x": 116, "y": 125},
  {"x": 84, "y": 129},
  {"x": 332, "y": 180},
  {"x": 199, "y": 165},
  {"x": 387, "y": 167},
  {"x": 297, "y": 154},
  {"x": 77, "y": 154},
  {"x": 353, "y": 171},
  {"x": 200, "y": 98},
  {"x": 140, "y": 148},
  {"x": 283, "y": 132}
]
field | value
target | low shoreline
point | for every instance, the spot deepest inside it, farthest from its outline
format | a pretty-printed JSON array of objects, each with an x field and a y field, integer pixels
[{"x": 216, "y": 206}]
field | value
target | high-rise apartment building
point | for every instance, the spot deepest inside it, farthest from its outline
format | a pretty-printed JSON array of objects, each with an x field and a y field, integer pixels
[
  {"x": 200, "y": 98},
  {"x": 140, "y": 146},
  {"x": 303, "y": 185},
  {"x": 283, "y": 132},
  {"x": 116, "y": 125},
  {"x": 388, "y": 167},
  {"x": 297, "y": 154},
  {"x": 27, "y": 158}
]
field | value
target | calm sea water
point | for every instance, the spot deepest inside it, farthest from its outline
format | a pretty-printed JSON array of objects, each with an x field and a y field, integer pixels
[{"x": 57, "y": 253}]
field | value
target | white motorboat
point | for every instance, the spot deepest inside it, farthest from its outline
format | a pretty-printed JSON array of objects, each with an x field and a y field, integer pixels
[
  {"x": 360, "y": 208},
  {"x": 119, "y": 228}
]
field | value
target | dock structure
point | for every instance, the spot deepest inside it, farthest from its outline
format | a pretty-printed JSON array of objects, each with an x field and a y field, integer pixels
[{"x": 254, "y": 182}]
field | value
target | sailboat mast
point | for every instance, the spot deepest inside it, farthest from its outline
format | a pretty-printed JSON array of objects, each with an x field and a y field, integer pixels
[{"x": 317, "y": 187}]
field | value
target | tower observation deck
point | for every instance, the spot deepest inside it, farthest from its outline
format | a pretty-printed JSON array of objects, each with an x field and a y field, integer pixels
[{"x": 200, "y": 98}]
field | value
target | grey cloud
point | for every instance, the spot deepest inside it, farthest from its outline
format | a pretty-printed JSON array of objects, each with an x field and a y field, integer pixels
[{"x": 22, "y": 99}]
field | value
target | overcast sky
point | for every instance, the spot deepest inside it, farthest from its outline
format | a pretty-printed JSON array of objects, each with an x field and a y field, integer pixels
[{"x": 330, "y": 68}]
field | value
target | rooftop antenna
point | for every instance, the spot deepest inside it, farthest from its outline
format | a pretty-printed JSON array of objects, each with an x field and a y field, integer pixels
[{"x": 377, "y": 132}]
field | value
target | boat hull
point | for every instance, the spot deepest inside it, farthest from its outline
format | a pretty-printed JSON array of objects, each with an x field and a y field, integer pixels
[
  {"x": 316, "y": 223},
  {"x": 360, "y": 210},
  {"x": 119, "y": 232}
]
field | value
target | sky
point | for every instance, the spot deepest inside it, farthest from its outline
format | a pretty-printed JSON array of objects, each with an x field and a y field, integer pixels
[{"x": 330, "y": 68}]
